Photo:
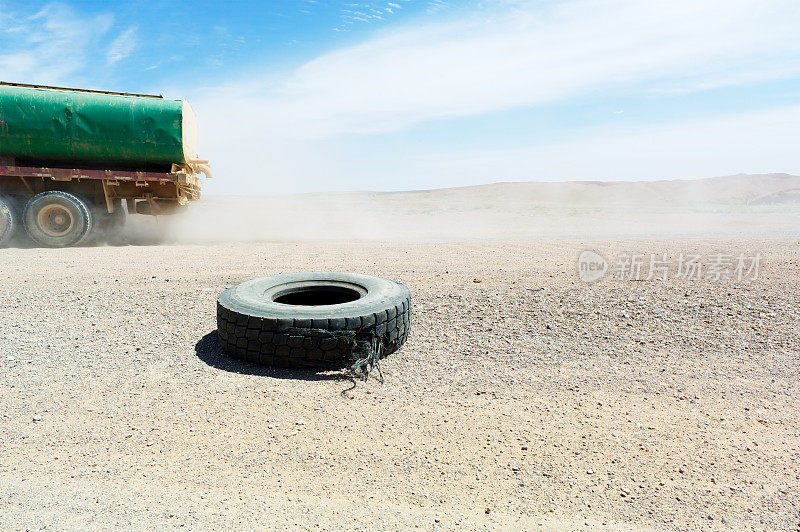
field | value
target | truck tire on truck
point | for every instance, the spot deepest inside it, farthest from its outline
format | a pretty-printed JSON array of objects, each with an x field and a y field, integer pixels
[
  {"x": 8, "y": 221},
  {"x": 58, "y": 219}
]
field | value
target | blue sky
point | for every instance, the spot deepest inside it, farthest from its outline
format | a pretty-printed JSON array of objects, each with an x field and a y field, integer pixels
[{"x": 409, "y": 94}]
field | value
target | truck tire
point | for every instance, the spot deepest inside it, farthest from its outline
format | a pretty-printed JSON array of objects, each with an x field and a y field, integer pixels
[
  {"x": 8, "y": 220},
  {"x": 313, "y": 320},
  {"x": 57, "y": 219}
]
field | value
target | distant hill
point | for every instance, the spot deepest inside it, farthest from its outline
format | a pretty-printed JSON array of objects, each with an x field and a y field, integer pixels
[
  {"x": 765, "y": 205},
  {"x": 740, "y": 189}
]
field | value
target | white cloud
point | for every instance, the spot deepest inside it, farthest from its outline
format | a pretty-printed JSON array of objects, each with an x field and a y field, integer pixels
[
  {"x": 307, "y": 129},
  {"x": 527, "y": 53},
  {"x": 250, "y": 162},
  {"x": 48, "y": 47},
  {"x": 755, "y": 142},
  {"x": 122, "y": 46}
]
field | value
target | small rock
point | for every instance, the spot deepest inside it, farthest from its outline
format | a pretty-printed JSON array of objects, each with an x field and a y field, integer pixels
[
  {"x": 487, "y": 510},
  {"x": 590, "y": 471},
  {"x": 300, "y": 421},
  {"x": 37, "y": 418},
  {"x": 476, "y": 280}
]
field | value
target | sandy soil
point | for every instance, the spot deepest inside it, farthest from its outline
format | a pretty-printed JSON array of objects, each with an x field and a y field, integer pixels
[{"x": 524, "y": 399}]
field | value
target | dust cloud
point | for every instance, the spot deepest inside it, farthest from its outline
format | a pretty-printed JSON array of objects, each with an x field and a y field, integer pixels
[{"x": 742, "y": 205}]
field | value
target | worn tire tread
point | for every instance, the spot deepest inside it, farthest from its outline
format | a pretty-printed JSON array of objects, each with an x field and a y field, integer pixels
[{"x": 266, "y": 341}]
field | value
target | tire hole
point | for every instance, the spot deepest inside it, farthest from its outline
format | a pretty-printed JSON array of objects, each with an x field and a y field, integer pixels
[{"x": 312, "y": 296}]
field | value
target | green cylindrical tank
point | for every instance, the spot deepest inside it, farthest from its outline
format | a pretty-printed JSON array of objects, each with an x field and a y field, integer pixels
[{"x": 84, "y": 129}]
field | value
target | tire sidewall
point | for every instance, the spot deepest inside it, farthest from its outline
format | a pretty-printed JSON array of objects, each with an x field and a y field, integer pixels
[{"x": 247, "y": 298}]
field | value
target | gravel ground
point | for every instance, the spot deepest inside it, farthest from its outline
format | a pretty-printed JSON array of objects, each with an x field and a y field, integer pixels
[{"x": 524, "y": 398}]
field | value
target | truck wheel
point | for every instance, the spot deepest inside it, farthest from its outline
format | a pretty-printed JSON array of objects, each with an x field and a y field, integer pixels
[
  {"x": 318, "y": 320},
  {"x": 8, "y": 220},
  {"x": 57, "y": 219}
]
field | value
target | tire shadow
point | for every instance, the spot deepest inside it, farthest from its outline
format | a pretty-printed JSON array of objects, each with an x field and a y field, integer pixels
[{"x": 209, "y": 351}]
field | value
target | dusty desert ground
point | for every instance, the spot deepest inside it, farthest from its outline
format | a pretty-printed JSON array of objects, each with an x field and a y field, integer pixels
[{"x": 524, "y": 399}]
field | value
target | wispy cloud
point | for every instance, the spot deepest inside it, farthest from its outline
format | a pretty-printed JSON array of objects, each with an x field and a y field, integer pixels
[
  {"x": 122, "y": 46},
  {"x": 369, "y": 12},
  {"x": 315, "y": 120},
  {"x": 49, "y": 46},
  {"x": 528, "y": 53}
]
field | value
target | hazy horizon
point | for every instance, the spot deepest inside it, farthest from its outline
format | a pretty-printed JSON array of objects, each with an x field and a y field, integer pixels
[{"x": 530, "y": 181}]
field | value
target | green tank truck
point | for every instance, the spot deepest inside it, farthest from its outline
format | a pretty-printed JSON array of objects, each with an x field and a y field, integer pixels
[{"x": 74, "y": 161}]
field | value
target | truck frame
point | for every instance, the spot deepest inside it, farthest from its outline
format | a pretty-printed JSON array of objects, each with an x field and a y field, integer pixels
[{"x": 144, "y": 192}]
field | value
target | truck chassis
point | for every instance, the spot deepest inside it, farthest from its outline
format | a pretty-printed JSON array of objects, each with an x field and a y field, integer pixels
[{"x": 149, "y": 193}]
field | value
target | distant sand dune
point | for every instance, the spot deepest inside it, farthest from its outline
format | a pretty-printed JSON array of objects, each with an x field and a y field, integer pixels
[{"x": 737, "y": 205}]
